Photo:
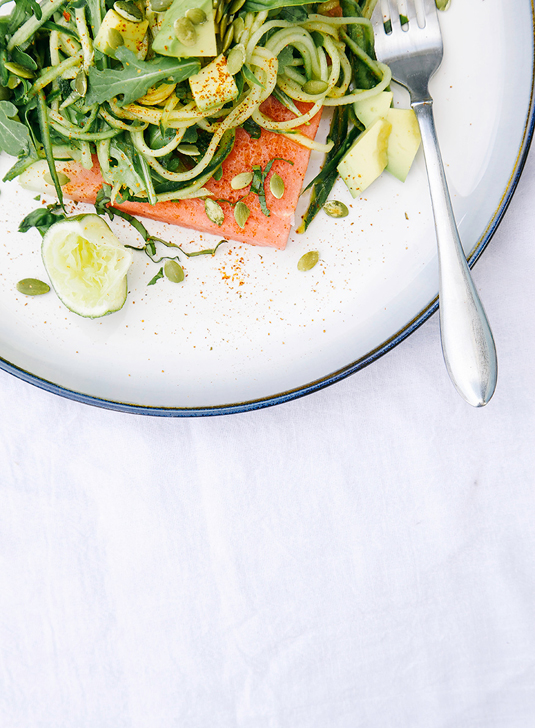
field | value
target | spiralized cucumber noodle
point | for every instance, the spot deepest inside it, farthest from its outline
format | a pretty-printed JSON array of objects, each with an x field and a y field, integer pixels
[{"x": 318, "y": 73}]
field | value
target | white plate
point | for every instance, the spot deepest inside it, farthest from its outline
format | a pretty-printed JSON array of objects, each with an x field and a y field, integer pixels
[{"x": 247, "y": 329}]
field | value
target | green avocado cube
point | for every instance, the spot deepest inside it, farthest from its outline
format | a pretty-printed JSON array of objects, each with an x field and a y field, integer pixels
[
  {"x": 367, "y": 158},
  {"x": 204, "y": 44}
]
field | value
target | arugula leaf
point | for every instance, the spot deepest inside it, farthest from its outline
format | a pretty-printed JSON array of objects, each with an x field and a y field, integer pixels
[
  {"x": 124, "y": 173},
  {"x": 156, "y": 278},
  {"x": 136, "y": 77},
  {"x": 14, "y": 136},
  {"x": 42, "y": 219},
  {"x": 285, "y": 58}
]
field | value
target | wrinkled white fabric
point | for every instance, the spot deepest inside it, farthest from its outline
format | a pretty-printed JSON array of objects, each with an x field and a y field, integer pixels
[{"x": 359, "y": 558}]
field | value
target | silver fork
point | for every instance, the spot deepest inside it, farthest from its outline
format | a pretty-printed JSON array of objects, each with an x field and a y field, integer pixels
[{"x": 414, "y": 54}]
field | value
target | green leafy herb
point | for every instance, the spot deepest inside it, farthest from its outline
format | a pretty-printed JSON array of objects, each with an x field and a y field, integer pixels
[
  {"x": 249, "y": 75},
  {"x": 136, "y": 77},
  {"x": 42, "y": 219},
  {"x": 14, "y": 136},
  {"x": 156, "y": 278}
]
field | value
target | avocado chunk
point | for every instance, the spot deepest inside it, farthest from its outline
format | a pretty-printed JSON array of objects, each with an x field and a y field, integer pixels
[
  {"x": 373, "y": 107},
  {"x": 403, "y": 142},
  {"x": 367, "y": 158},
  {"x": 116, "y": 31},
  {"x": 201, "y": 42},
  {"x": 214, "y": 85}
]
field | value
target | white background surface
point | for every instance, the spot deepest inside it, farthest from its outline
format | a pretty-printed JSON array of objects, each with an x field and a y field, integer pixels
[{"x": 362, "y": 557}]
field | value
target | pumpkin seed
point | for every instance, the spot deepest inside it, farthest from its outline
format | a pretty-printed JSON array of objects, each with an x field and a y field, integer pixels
[
  {"x": 13, "y": 82},
  {"x": 276, "y": 185},
  {"x": 239, "y": 27},
  {"x": 227, "y": 40},
  {"x": 18, "y": 70},
  {"x": 190, "y": 149},
  {"x": 334, "y": 208},
  {"x": 241, "y": 180},
  {"x": 236, "y": 59},
  {"x": 220, "y": 9},
  {"x": 197, "y": 16},
  {"x": 32, "y": 287},
  {"x": 315, "y": 87},
  {"x": 62, "y": 178},
  {"x": 223, "y": 25},
  {"x": 158, "y": 6},
  {"x": 214, "y": 211},
  {"x": 80, "y": 83},
  {"x": 115, "y": 39},
  {"x": 185, "y": 32},
  {"x": 241, "y": 213},
  {"x": 128, "y": 11},
  {"x": 218, "y": 174},
  {"x": 173, "y": 271},
  {"x": 235, "y": 6},
  {"x": 308, "y": 260}
]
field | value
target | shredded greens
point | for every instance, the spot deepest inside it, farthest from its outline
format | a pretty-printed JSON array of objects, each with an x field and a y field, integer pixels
[{"x": 70, "y": 90}]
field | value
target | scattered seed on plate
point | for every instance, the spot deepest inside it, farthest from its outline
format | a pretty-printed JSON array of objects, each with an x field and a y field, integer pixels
[
  {"x": 173, "y": 271},
  {"x": 185, "y": 32},
  {"x": 196, "y": 15},
  {"x": 241, "y": 214},
  {"x": 276, "y": 185},
  {"x": 214, "y": 211},
  {"x": 334, "y": 208},
  {"x": 308, "y": 260},
  {"x": 241, "y": 180},
  {"x": 32, "y": 287}
]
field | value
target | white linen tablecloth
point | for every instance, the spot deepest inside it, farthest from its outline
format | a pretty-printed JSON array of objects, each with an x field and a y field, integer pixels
[{"x": 362, "y": 557}]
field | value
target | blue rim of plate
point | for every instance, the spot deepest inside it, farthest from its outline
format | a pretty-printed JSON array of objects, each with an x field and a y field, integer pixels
[{"x": 332, "y": 378}]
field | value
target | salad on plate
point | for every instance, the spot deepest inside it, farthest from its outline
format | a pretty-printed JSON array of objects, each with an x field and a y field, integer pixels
[{"x": 202, "y": 113}]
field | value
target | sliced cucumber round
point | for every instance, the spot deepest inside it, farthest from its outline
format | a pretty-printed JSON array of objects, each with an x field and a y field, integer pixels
[{"x": 87, "y": 265}]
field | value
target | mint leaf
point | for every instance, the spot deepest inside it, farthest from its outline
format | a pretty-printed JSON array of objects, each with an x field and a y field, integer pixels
[
  {"x": 14, "y": 136},
  {"x": 136, "y": 77}
]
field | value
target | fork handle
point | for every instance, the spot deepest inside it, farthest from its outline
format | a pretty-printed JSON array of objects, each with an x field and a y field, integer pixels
[{"x": 467, "y": 341}]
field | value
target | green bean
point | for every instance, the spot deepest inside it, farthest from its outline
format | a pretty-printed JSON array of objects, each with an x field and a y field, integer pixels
[
  {"x": 25, "y": 32},
  {"x": 47, "y": 144}
]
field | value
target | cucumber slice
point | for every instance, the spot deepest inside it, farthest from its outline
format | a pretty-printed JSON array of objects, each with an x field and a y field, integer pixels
[{"x": 87, "y": 265}]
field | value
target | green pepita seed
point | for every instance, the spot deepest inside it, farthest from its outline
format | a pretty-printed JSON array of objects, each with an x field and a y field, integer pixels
[
  {"x": 239, "y": 27},
  {"x": 158, "y": 6},
  {"x": 241, "y": 180},
  {"x": 308, "y": 260},
  {"x": 236, "y": 59},
  {"x": 173, "y": 271},
  {"x": 220, "y": 9},
  {"x": 223, "y": 25},
  {"x": 80, "y": 83},
  {"x": 315, "y": 87},
  {"x": 18, "y": 70},
  {"x": 235, "y": 6},
  {"x": 128, "y": 11},
  {"x": 241, "y": 214},
  {"x": 334, "y": 208},
  {"x": 32, "y": 287},
  {"x": 276, "y": 185},
  {"x": 227, "y": 40},
  {"x": 197, "y": 16},
  {"x": 63, "y": 179},
  {"x": 214, "y": 211},
  {"x": 13, "y": 82},
  {"x": 115, "y": 39},
  {"x": 190, "y": 149},
  {"x": 218, "y": 174},
  {"x": 185, "y": 32}
]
